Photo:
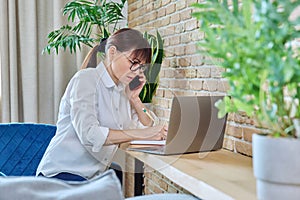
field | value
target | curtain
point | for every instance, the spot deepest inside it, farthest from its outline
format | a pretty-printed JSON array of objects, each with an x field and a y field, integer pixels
[{"x": 32, "y": 83}]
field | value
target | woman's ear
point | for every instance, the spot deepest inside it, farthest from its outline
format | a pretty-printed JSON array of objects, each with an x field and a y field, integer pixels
[{"x": 112, "y": 52}]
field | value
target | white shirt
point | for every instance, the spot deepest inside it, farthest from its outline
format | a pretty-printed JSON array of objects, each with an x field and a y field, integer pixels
[{"x": 91, "y": 105}]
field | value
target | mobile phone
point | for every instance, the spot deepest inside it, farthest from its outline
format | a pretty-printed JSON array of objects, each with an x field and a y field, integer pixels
[{"x": 135, "y": 83}]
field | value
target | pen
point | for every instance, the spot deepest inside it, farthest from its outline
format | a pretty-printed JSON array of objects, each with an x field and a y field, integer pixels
[{"x": 147, "y": 113}]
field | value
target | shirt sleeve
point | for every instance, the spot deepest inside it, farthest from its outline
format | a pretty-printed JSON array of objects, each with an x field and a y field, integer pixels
[{"x": 84, "y": 111}]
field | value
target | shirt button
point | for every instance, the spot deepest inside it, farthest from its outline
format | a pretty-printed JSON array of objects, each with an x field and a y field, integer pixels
[{"x": 117, "y": 109}]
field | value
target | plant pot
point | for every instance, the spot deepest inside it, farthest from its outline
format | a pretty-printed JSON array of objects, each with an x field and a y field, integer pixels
[
  {"x": 276, "y": 166},
  {"x": 296, "y": 123}
]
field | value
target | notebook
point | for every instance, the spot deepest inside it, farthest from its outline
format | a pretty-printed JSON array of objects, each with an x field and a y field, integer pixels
[{"x": 194, "y": 126}]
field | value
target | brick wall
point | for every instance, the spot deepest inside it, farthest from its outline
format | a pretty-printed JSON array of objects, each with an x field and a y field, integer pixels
[
  {"x": 154, "y": 182},
  {"x": 186, "y": 70}
]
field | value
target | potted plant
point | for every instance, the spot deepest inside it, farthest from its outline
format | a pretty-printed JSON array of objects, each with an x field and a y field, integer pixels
[
  {"x": 152, "y": 73},
  {"x": 256, "y": 42},
  {"x": 85, "y": 16},
  {"x": 103, "y": 16}
]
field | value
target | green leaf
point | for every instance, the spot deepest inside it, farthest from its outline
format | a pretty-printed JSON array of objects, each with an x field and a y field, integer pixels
[
  {"x": 85, "y": 15},
  {"x": 152, "y": 73},
  {"x": 221, "y": 105}
]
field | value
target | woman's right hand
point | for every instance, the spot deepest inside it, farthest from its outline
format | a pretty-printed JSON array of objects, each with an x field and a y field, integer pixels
[{"x": 152, "y": 133}]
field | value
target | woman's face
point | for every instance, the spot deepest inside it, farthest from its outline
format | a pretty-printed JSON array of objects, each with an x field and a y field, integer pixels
[{"x": 121, "y": 67}]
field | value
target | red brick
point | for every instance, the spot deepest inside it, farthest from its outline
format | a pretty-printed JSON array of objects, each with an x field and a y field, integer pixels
[
  {"x": 191, "y": 49},
  {"x": 180, "y": 5},
  {"x": 228, "y": 144},
  {"x": 130, "y": 2},
  {"x": 180, "y": 51},
  {"x": 234, "y": 130},
  {"x": 182, "y": 84},
  {"x": 159, "y": 92},
  {"x": 170, "y": 9},
  {"x": 248, "y": 132},
  {"x": 191, "y": 25},
  {"x": 183, "y": 61},
  {"x": 197, "y": 60},
  {"x": 210, "y": 85},
  {"x": 170, "y": 30},
  {"x": 163, "y": 185},
  {"x": 174, "y": 40},
  {"x": 157, "y": 4},
  {"x": 230, "y": 117},
  {"x": 196, "y": 84},
  {"x": 146, "y": 2},
  {"x": 223, "y": 85},
  {"x": 132, "y": 7},
  {"x": 165, "y": 21},
  {"x": 165, "y": 2},
  {"x": 179, "y": 28},
  {"x": 161, "y": 12},
  {"x": 216, "y": 72},
  {"x": 197, "y": 35},
  {"x": 169, "y": 73},
  {"x": 172, "y": 189},
  {"x": 151, "y": 16},
  {"x": 168, "y": 94},
  {"x": 184, "y": 93},
  {"x": 203, "y": 72},
  {"x": 190, "y": 2},
  {"x": 175, "y": 18},
  {"x": 147, "y": 191},
  {"x": 185, "y": 38},
  {"x": 169, "y": 52},
  {"x": 133, "y": 15},
  {"x": 139, "y": 4},
  {"x": 184, "y": 15},
  {"x": 243, "y": 148},
  {"x": 179, "y": 73},
  {"x": 191, "y": 73},
  {"x": 239, "y": 118}
]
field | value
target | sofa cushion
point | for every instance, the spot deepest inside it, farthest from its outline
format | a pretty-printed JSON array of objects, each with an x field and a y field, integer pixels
[
  {"x": 106, "y": 186},
  {"x": 22, "y": 146}
]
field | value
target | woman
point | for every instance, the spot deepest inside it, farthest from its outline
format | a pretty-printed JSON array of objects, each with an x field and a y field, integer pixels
[{"x": 98, "y": 111}]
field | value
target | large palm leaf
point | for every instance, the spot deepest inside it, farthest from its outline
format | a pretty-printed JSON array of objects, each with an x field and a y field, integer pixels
[{"x": 83, "y": 17}]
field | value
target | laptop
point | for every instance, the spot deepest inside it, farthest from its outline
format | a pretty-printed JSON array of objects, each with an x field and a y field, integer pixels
[{"x": 194, "y": 126}]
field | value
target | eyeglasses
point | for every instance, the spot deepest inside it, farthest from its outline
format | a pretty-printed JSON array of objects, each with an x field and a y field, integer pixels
[{"x": 136, "y": 65}]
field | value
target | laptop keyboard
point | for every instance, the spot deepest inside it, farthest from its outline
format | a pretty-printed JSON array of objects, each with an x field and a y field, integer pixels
[
  {"x": 155, "y": 149},
  {"x": 159, "y": 148}
]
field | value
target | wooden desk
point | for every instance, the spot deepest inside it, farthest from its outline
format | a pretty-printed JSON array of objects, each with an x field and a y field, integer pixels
[{"x": 215, "y": 175}]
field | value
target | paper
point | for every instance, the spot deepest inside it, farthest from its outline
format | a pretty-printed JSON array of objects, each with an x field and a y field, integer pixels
[{"x": 149, "y": 142}]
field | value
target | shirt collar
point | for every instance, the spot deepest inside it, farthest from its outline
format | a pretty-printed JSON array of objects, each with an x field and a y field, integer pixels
[{"x": 107, "y": 80}]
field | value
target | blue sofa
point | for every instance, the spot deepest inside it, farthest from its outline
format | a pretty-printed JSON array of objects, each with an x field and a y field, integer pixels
[{"x": 22, "y": 146}]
